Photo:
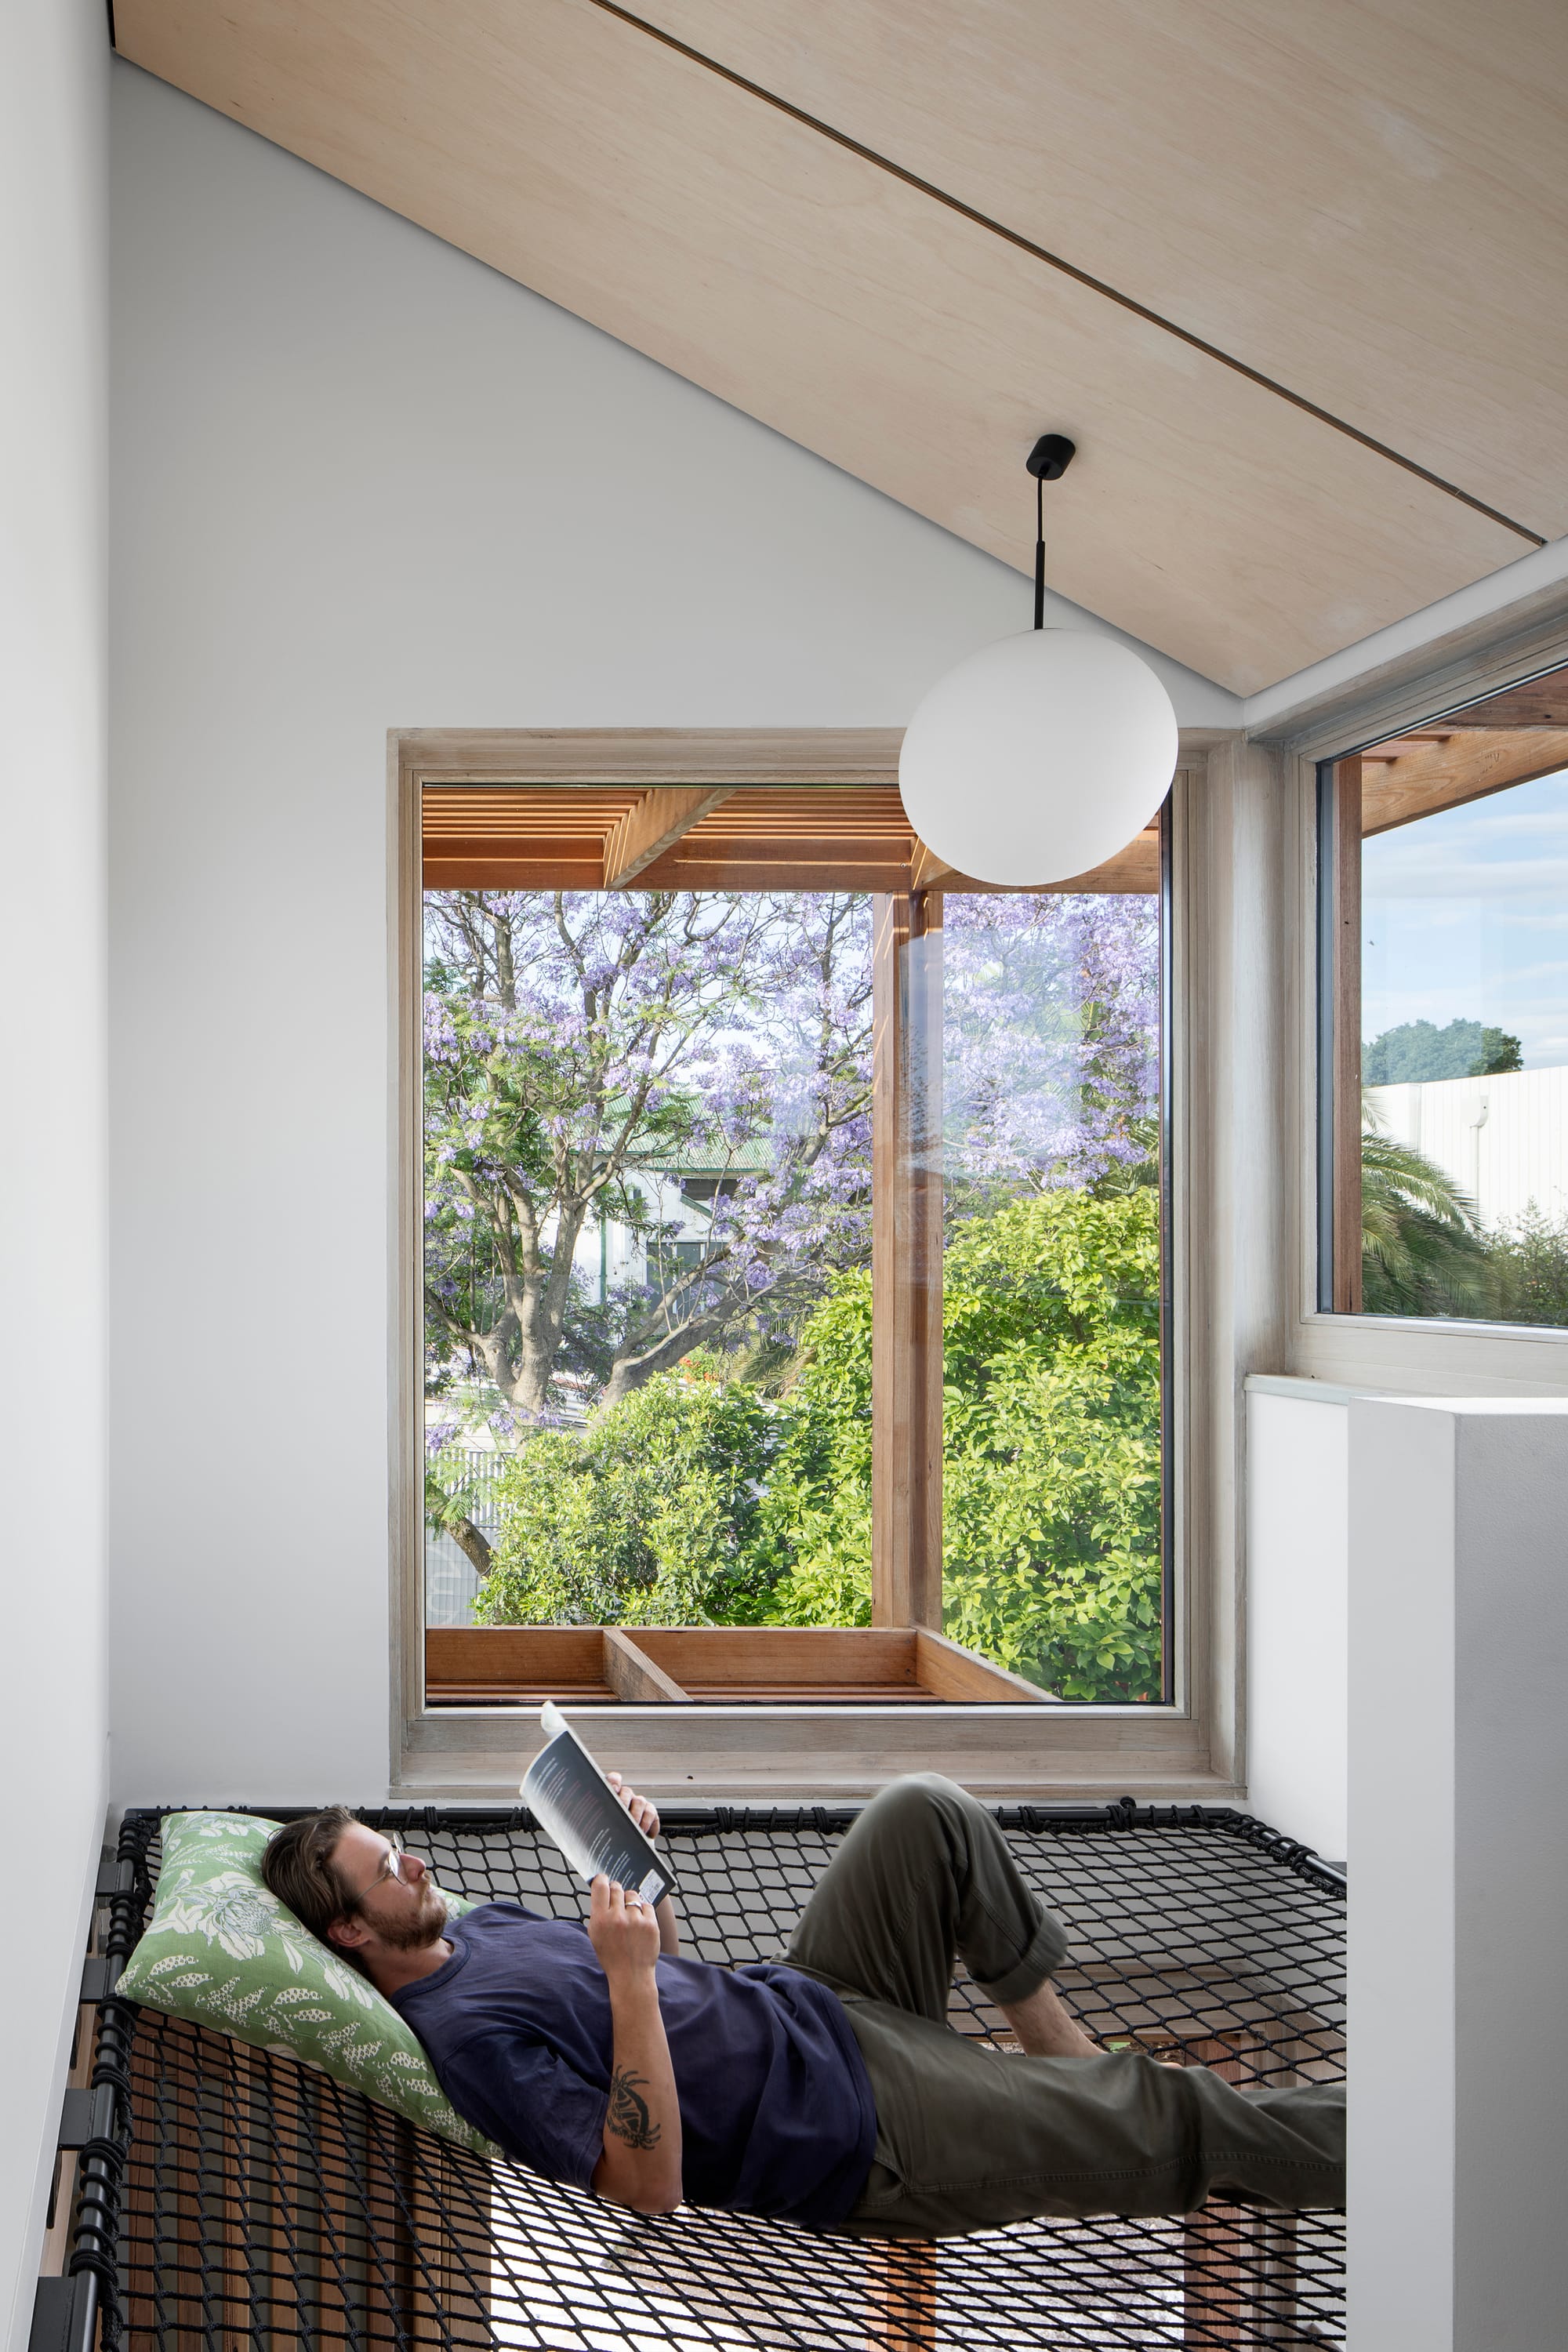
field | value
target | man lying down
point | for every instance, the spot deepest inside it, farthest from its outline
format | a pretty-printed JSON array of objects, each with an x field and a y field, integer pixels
[{"x": 827, "y": 2089}]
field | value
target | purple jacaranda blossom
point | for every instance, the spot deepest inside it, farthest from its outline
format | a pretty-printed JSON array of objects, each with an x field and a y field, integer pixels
[
  {"x": 581, "y": 1051},
  {"x": 579, "y": 1048},
  {"x": 1052, "y": 1031}
]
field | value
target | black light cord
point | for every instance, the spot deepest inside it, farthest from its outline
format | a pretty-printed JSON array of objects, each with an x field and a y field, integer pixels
[
  {"x": 1039, "y": 550},
  {"x": 1048, "y": 460}
]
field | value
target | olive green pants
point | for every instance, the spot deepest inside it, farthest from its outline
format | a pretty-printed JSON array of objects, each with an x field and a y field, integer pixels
[{"x": 969, "y": 2138}]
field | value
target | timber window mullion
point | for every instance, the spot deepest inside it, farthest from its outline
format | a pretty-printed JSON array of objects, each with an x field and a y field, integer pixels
[
  {"x": 1346, "y": 1115},
  {"x": 906, "y": 1260}
]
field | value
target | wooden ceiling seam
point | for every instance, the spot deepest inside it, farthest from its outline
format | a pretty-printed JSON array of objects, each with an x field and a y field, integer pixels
[
  {"x": 1066, "y": 268},
  {"x": 1305, "y": 188},
  {"x": 739, "y": 249}
]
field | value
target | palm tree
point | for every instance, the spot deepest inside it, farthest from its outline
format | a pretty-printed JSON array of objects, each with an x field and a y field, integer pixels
[{"x": 1423, "y": 1251}]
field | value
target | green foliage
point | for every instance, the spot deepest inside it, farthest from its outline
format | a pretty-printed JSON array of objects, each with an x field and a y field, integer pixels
[
  {"x": 704, "y": 1502},
  {"x": 1051, "y": 1500},
  {"x": 1418, "y": 1050},
  {"x": 453, "y": 1494},
  {"x": 1422, "y": 1249},
  {"x": 1531, "y": 1261},
  {"x": 649, "y": 1517},
  {"x": 1052, "y": 1490}
]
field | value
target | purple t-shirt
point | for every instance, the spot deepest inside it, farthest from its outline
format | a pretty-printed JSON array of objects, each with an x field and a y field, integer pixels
[{"x": 776, "y": 2112}]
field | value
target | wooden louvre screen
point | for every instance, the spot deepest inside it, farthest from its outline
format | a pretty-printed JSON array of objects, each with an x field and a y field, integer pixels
[
  {"x": 1509, "y": 738},
  {"x": 704, "y": 836}
]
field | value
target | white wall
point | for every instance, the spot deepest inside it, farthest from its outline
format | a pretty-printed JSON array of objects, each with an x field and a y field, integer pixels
[
  {"x": 54, "y": 67},
  {"x": 1296, "y": 1532},
  {"x": 1458, "y": 1946},
  {"x": 1502, "y": 1139},
  {"x": 363, "y": 482}
]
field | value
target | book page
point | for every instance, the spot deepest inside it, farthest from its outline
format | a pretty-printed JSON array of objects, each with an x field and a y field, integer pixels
[{"x": 576, "y": 1804}]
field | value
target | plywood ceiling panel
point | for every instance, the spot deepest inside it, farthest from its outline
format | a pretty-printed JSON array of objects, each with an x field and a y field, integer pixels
[
  {"x": 903, "y": 342},
  {"x": 1367, "y": 203}
]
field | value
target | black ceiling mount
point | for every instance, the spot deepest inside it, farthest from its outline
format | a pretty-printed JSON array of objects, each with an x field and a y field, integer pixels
[
  {"x": 1048, "y": 460},
  {"x": 1051, "y": 455}
]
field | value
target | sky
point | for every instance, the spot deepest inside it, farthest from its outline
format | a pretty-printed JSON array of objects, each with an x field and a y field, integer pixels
[{"x": 1465, "y": 917}]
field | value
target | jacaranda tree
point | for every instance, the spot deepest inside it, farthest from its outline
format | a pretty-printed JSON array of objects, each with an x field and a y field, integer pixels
[{"x": 581, "y": 1046}]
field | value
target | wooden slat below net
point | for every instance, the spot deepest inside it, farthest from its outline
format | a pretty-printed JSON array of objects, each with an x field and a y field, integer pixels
[
  {"x": 1238, "y": 2265},
  {"x": 900, "y": 2286}
]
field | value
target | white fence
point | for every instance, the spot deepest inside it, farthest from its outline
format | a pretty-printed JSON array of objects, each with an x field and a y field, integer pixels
[{"x": 1503, "y": 1140}]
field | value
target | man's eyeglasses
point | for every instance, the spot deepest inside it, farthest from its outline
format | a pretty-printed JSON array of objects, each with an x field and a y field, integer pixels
[{"x": 391, "y": 1867}]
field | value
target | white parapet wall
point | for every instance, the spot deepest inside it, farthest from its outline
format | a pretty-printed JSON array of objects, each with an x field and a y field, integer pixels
[
  {"x": 1297, "y": 1440},
  {"x": 1458, "y": 1953},
  {"x": 1503, "y": 1140}
]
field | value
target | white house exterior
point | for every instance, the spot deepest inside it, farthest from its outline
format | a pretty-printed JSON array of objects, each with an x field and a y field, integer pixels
[{"x": 1503, "y": 1140}]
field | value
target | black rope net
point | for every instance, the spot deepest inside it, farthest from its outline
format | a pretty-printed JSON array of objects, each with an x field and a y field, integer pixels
[{"x": 257, "y": 2203}]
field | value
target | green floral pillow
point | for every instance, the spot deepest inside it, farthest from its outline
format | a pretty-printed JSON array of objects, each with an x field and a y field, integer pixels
[{"x": 221, "y": 1950}]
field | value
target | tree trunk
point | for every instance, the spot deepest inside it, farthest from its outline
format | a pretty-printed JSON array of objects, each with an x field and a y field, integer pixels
[{"x": 471, "y": 1542}]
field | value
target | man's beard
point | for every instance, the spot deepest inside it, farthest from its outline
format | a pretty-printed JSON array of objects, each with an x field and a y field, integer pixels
[{"x": 415, "y": 1930}]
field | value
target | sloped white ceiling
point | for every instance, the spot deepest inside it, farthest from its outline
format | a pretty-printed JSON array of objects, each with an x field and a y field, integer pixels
[{"x": 1289, "y": 273}]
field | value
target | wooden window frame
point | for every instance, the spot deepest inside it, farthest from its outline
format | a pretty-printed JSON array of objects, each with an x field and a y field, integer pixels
[
  {"x": 1322, "y": 1338},
  {"x": 1339, "y": 1040},
  {"x": 1184, "y": 1749}
]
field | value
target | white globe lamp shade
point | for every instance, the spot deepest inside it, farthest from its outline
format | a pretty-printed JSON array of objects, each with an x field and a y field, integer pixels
[{"x": 1038, "y": 758}]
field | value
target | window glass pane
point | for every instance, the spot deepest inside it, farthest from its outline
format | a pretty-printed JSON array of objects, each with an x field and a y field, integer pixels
[
  {"x": 664, "y": 1252},
  {"x": 1460, "y": 1134},
  {"x": 648, "y": 1241},
  {"x": 1052, "y": 1408}
]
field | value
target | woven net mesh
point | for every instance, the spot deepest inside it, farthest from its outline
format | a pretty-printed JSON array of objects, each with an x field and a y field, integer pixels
[{"x": 261, "y": 2204}]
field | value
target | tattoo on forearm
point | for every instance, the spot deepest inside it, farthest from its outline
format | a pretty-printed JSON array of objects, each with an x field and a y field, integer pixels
[{"x": 627, "y": 2117}]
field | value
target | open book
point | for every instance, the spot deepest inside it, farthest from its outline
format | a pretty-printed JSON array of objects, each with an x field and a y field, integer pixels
[{"x": 571, "y": 1798}]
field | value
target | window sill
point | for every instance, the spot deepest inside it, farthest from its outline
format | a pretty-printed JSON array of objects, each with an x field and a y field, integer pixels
[
  {"x": 1431, "y": 1357},
  {"x": 761, "y": 1753}
]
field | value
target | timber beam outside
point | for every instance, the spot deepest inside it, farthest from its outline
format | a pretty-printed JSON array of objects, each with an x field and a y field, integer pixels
[{"x": 656, "y": 825}]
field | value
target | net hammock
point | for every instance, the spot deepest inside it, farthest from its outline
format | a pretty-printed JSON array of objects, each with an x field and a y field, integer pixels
[{"x": 247, "y": 2199}]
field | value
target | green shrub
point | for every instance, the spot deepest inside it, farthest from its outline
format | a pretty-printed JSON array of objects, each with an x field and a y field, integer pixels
[
  {"x": 1051, "y": 1501},
  {"x": 650, "y": 1516},
  {"x": 694, "y": 1502},
  {"x": 1530, "y": 1260}
]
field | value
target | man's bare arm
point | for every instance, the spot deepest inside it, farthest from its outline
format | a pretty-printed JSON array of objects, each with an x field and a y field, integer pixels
[
  {"x": 646, "y": 1815},
  {"x": 641, "y": 2163}
]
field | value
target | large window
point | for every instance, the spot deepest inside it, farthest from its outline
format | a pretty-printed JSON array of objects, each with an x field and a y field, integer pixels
[
  {"x": 648, "y": 1196},
  {"x": 793, "y": 1257},
  {"x": 1444, "y": 1016},
  {"x": 1053, "y": 1496}
]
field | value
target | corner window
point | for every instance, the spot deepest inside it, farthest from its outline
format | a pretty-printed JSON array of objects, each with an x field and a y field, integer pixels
[
  {"x": 1443, "y": 1016},
  {"x": 794, "y": 1259}
]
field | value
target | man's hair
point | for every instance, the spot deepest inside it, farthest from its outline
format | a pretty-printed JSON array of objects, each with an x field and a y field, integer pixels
[{"x": 298, "y": 1867}]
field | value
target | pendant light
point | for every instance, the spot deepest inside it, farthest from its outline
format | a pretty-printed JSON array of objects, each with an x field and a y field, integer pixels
[{"x": 1039, "y": 756}]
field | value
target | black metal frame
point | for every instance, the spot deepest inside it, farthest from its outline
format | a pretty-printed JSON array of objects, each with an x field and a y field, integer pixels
[{"x": 97, "y": 2125}]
